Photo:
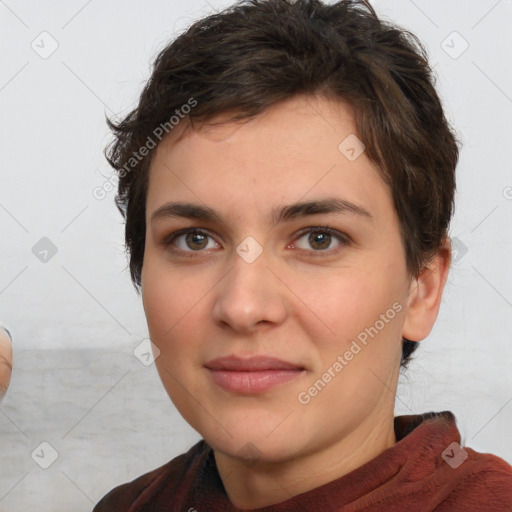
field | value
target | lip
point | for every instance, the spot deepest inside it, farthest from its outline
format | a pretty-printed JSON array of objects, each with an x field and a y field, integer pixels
[
  {"x": 252, "y": 375},
  {"x": 253, "y": 363}
]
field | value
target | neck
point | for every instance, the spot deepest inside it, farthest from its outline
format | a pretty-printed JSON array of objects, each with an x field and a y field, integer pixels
[{"x": 259, "y": 484}]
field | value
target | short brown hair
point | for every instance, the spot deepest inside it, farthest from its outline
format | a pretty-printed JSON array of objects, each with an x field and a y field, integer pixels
[{"x": 257, "y": 53}]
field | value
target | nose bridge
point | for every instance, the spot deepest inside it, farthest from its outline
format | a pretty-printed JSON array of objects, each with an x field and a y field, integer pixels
[
  {"x": 248, "y": 279},
  {"x": 247, "y": 294}
]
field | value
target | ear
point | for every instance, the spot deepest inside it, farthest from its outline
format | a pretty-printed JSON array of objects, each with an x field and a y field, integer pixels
[{"x": 425, "y": 295}]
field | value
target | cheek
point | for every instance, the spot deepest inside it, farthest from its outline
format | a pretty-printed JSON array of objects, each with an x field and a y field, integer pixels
[
  {"x": 158, "y": 301},
  {"x": 174, "y": 311},
  {"x": 164, "y": 301},
  {"x": 348, "y": 320},
  {"x": 348, "y": 302}
]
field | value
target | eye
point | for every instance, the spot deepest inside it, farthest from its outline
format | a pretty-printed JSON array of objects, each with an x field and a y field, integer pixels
[
  {"x": 320, "y": 238},
  {"x": 196, "y": 240},
  {"x": 189, "y": 240}
]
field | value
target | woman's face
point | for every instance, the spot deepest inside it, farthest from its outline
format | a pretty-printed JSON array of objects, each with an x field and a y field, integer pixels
[{"x": 255, "y": 282}]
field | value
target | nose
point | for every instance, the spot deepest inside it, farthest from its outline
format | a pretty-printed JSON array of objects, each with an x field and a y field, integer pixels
[{"x": 250, "y": 294}]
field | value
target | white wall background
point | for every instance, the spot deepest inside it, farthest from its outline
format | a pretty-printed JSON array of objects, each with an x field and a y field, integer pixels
[{"x": 76, "y": 318}]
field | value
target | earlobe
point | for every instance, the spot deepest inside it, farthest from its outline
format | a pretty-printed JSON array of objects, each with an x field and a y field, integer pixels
[{"x": 425, "y": 294}]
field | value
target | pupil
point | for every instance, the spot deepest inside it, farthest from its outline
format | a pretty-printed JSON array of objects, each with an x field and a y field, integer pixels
[
  {"x": 317, "y": 237},
  {"x": 193, "y": 238}
]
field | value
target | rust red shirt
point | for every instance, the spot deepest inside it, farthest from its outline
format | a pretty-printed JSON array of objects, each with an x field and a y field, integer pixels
[{"x": 426, "y": 470}]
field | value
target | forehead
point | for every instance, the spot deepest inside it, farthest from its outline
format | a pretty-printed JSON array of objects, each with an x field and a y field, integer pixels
[{"x": 294, "y": 150}]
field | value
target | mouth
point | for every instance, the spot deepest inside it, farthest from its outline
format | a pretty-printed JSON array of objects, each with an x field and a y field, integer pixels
[{"x": 252, "y": 375}]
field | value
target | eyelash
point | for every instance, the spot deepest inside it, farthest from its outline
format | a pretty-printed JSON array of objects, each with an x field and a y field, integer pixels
[{"x": 342, "y": 238}]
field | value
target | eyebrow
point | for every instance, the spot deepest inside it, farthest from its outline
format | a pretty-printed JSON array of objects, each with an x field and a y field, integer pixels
[{"x": 279, "y": 214}]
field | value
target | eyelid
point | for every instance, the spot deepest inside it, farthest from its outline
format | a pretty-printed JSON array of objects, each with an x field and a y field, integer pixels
[
  {"x": 343, "y": 238},
  {"x": 169, "y": 239}
]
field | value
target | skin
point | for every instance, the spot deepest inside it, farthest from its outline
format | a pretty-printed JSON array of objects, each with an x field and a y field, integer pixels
[
  {"x": 5, "y": 362},
  {"x": 301, "y": 300}
]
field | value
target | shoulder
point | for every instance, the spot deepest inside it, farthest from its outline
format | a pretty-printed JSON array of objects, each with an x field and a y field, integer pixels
[
  {"x": 492, "y": 472},
  {"x": 485, "y": 485},
  {"x": 451, "y": 477},
  {"x": 122, "y": 497}
]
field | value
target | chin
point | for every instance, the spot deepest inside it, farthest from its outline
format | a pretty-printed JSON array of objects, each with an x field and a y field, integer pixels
[
  {"x": 248, "y": 441},
  {"x": 254, "y": 450}
]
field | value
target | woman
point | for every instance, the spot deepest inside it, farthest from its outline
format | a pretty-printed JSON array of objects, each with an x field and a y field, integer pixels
[{"x": 287, "y": 181}]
